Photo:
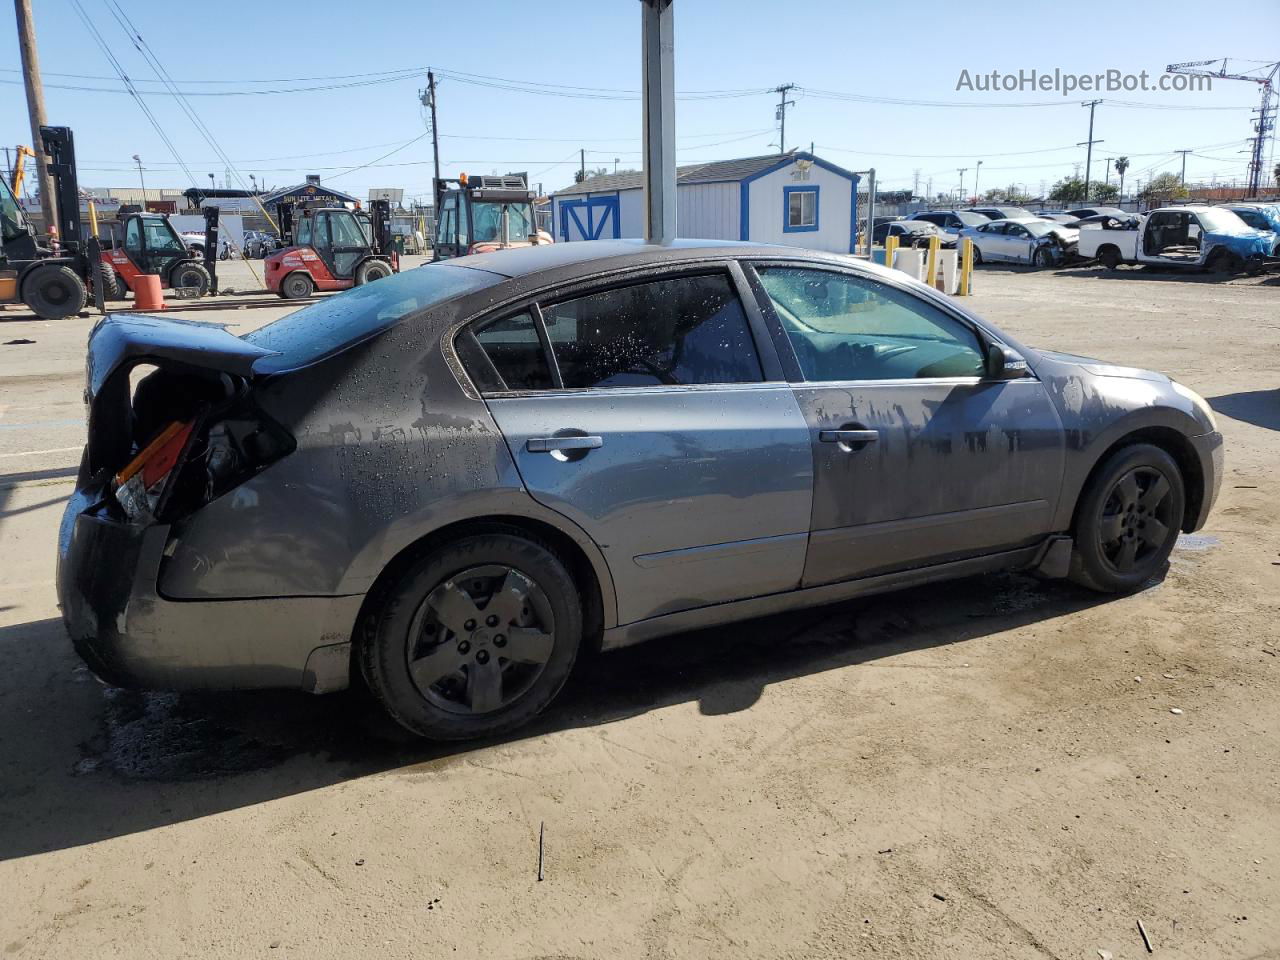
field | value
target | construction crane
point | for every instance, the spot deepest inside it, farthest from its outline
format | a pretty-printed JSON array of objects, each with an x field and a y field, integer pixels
[{"x": 1266, "y": 111}]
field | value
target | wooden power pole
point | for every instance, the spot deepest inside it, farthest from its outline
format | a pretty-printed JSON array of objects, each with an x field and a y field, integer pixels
[{"x": 35, "y": 109}]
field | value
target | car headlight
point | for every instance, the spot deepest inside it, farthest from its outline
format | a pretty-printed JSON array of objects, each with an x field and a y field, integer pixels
[{"x": 1199, "y": 402}]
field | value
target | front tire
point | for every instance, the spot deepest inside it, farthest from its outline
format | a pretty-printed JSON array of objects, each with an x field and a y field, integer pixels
[
  {"x": 372, "y": 270},
  {"x": 475, "y": 638},
  {"x": 54, "y": 292},
  {"x": 190, "y": 274},
  {"x": 1127, "y": 520}
]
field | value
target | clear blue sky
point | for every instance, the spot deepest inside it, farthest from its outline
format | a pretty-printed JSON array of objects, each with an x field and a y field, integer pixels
[{"x": 904, "y": 51}]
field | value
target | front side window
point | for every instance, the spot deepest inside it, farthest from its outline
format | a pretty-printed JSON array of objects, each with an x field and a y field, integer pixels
[
  {"x": 801, "y": 209},
  {"x": 844, "y": 327},
  {"x": 346, "y": 232},
  {"x": 161, "y": 238},
  {"x": 305, "y": 231},
  {"x": 686, "y": 330},
  {"x": 133, "y": 235}
]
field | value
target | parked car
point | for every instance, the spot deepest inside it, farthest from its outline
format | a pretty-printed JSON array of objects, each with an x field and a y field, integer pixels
[
  {"x": 1063, "y": 218},
  {"x": 259, "y": 244},
  {"x": 1003, "y": 213},
  {"x": 194, "y": 240},
  {"x": 1198, "y": 237},
  {"x": 951, "y": 221},
  {"x": 453, "y": 480},
  {"x": 1041, "y": 243},
  {"x": 1260, "y": 216},
  {"x": 1116, "y": 212},
  {"x": 912, "y": 233}
]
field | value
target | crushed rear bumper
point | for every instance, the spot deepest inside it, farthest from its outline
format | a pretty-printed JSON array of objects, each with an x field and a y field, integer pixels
[{"x": 131, "y": 636}]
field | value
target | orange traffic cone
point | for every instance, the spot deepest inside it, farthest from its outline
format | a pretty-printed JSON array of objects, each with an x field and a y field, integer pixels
[{"x": 146, "y": 293}]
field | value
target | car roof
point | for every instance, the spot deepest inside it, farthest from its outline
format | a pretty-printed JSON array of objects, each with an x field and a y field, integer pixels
[{"x": 523, "y": 261}]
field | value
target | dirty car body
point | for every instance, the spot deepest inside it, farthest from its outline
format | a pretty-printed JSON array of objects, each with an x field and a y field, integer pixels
[{"x": 299, "y": 484}]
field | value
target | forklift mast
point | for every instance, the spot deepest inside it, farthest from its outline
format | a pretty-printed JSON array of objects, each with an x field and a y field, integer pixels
[
  {"x": 60, "y": 146},
  {"x": 380, "y": 220}
]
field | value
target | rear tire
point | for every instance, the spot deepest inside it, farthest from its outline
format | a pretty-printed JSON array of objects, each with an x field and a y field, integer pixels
[
  {"x": 297, "y": 286},
  {"x": 1127, "y": 520},
  {"x": 190, "y": 274},
  {"x": 1109, "y": 257},
  {"x": 54, "y": 292},
  {"x": 372, "y": 270},
  {"x": 977, "y": 256},
  {"x": 473, "y": 639}
]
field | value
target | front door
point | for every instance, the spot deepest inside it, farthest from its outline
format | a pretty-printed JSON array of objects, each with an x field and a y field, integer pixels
[
  {"x": 654, "y": 430},
  {"x": 917, "y": 458},
  {"x": 161, "y": 245}
]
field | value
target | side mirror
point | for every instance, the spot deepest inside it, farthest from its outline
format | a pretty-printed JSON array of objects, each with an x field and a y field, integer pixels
[{"x": 1005, "y": 363}]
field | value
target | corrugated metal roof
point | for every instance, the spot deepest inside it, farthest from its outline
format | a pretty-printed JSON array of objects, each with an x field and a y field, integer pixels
[{"x": 716, "y": 170}]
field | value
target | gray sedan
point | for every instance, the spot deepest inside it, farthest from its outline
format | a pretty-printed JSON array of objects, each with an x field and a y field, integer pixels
[{"x": 454, "y": 480}]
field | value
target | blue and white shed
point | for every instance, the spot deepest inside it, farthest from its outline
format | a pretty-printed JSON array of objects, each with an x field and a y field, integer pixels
[{"x": 796, "y": 199}]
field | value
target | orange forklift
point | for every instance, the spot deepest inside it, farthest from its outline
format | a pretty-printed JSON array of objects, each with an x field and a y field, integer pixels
[
  {"x": 137, "y": 243},
  {"x": 483, "y": 214},
  {"x": 331, "y": 248}
]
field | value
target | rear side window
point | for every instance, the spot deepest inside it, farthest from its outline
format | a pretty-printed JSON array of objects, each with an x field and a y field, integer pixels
[
  {"x": 685, "y": 330},
  {"x": 512, "y": 346}
]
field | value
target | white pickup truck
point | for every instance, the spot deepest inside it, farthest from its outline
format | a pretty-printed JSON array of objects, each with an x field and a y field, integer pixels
[{"x": 1187, "y": 236}]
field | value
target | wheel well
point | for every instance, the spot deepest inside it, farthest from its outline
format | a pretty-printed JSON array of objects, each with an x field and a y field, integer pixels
[
  {"x": 1106, "y": 247},
  {"x": 1177, "y": 446},
  {"x": 561, "y": 544}
]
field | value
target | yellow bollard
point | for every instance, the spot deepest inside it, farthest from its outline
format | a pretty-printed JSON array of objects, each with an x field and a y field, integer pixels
[
  {"x": 890, "y": 250},
  {"x": 966, "y": 267},
  {"x": 931, "y": 270}
]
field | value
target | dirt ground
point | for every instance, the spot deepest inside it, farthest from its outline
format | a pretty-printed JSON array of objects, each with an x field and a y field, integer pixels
[{"x": 988, "y": 768}]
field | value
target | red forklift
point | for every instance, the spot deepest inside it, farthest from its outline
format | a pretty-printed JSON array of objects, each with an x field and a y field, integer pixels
[
  {"x": 331, "y": 248},
  {"x": 483, "y": 214},
  {"x": 137, "y": 243}
]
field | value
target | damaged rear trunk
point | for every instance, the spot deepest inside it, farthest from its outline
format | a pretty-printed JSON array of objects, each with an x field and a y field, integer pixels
[{"x": 163, "y": 444}]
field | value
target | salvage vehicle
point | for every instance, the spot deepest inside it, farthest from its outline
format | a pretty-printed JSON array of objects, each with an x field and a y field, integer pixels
[
  {"x": 1082, "y": 212},
  {"x": 1003, "y": 213},
  {"x": 911, "y": 233},
  {"x": 1197, "y": 237},
  {"x": 331, "y": 248},
  {"x": 952, "y": 221},
  {"x": 1260, "y": 216},
  {"x": 450, "y": 482},
  {"x": 1041, "y": 243}
]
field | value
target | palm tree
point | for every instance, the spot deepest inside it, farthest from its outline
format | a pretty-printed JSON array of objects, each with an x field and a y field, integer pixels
[{"x": 1122, "y": 164}]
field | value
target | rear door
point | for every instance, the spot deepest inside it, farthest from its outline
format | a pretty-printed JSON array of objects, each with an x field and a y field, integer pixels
[
  {"x": 917, "y": 457},
  {"x": 652, "y": 413}
]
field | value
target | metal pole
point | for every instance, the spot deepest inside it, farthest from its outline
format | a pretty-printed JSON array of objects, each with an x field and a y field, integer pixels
[
  {"x": 783, "y": 103},
  {"x": 977, "y": 170},
  {"x": 657, "y": 23},
  {"x": 1182, "y": 180},
  {"x": 871, "y": 208},
  {"x": 1088, "y": 156},
  {"x": 35, "y": 111},
  {"x": 435, "y": 135},
  {"x": 138, "y": 160},
  {"x": 582, "y": 165}
]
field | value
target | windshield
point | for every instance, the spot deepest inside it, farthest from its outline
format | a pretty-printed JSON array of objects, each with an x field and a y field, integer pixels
[
  {"x": 487, "y": 218},
  {"x": 1221, "y": 221},
  {"x": 313, "y": 332},
  {"x": 12, "y": 222}
]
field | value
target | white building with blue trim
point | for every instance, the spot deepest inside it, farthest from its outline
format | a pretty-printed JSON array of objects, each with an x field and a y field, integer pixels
[{"x": 796, "y": 199}]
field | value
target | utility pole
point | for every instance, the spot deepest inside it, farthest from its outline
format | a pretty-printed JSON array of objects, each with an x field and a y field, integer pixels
[
  {"x": 976, "y": 195},
  {"x": 960, "y": 195},
  {"x": 915, "y": 183},
  {"x": 35, "y": 111},
  {"x": 1088, "y": 157},
  {"x": 1182, "y": 179},
  {"x": 582, "y": 165},
  {"x": 783, "y": 103},
  {"x": 1106, "y": 170},
  {"x": 429, "y": 100}
]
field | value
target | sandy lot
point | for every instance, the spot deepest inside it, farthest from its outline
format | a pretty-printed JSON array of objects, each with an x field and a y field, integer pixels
[{"x": 988, "y": 768}]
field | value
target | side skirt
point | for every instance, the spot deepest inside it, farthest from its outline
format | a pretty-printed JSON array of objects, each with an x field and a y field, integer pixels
[{"x": 632, "y": 633}]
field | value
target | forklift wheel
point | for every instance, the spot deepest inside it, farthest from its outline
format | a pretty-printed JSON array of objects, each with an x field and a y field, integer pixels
[
  {"x": 54, "y": 292},
  {"x": 372, "y": 270},
  {"x": 297, "y": 286},
  {"x": 112, "y": 286},
  {"x": 190, "y": 274}
]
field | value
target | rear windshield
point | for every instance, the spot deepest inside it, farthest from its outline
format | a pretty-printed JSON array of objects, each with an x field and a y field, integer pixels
[
  {"x": 313, "y": 332},
  {"x": 972, "y": 219}
]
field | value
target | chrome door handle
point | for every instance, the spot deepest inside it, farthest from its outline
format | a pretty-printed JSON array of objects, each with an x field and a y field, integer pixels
[
  {"x": 548, "y": 444},
  {"x": 848, "y": 436}
]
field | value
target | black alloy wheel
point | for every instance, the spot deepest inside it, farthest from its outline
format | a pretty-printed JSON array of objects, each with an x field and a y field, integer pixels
[
  {"x": 1136, "y": 519},
  {"x": 480, "y": 640}
]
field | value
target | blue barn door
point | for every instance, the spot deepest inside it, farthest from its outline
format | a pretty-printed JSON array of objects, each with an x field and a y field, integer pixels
[{"x": 589, "y": 218}]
